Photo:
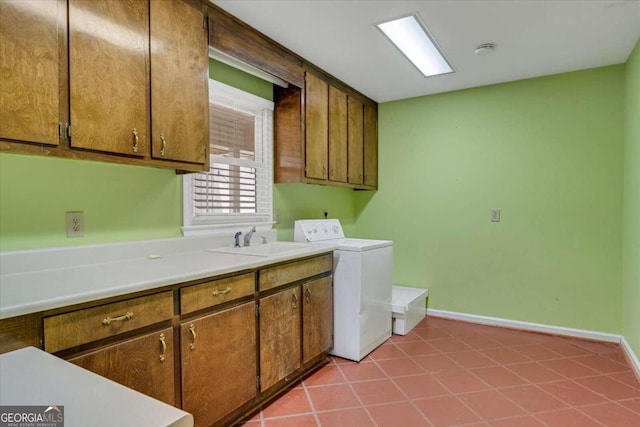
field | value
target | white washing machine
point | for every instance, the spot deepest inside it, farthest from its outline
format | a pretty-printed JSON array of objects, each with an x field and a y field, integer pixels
[{"x": 362, "y": 270}]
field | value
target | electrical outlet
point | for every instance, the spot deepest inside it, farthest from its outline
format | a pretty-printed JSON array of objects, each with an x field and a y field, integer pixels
[
  {"x": 75, "y": 224},
  {"x": 495, "y": 215},
  {"x": 277, "y": 217}
]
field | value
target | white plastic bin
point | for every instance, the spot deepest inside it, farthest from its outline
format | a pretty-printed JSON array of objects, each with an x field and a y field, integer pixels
[{"x": 409, "y": 308}]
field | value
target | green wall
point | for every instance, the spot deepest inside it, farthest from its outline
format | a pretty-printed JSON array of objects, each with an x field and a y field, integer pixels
[
  {"x": 631, "y": 245},
  {"x": 130, "y": 202},
  {"x": 305, "y": 201},
  {"x": 241, "y": 80},
  {"x": 120, "y": 202},
  {"x": 548, "y": 152}
]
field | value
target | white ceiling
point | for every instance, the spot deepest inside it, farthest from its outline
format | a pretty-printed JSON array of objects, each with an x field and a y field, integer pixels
[{"x": 532, "y": 37}]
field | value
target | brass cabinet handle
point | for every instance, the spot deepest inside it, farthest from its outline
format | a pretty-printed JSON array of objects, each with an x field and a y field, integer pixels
[
  {"x": 164, "y": 145},
  {"x": 308, "y": 294},
  {"x": 163, "y": 341},
  {"x": 222, "y": 292},
  {"x": 192, "y": 329},
  {"x": 294, "y": 299},
  {"x": 108, "y": 320},
  {"x": 135, "y": 140}
]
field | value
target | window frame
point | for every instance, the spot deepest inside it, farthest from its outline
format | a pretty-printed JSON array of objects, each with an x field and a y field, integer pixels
[{"x": 230, "y": 97}]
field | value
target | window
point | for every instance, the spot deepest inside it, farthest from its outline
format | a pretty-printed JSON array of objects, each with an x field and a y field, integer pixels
[{"x": 237, "y": 188}]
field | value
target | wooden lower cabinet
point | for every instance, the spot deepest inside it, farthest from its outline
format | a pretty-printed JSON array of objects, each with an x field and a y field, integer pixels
[
  {"x": 218, "y": 363},
  {"x": 217, "y": 358},
  {"x": 317, "y": 318},
  {"x": 144, "y": 363},
  {"x": 279, "y": 336}
]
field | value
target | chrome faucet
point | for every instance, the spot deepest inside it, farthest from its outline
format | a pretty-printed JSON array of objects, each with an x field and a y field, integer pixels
[
  {"x": 247, "y": 237},
  {"x": 237, "y": 237}
]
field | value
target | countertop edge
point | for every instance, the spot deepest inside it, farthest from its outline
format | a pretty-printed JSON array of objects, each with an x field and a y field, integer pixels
[{"x": 245, "y": 262}]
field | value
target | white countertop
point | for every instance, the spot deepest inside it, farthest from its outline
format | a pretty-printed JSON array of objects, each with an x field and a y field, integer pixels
[
  {"x": 33, "y": 377},
  {"x": 37, "y": 280}
]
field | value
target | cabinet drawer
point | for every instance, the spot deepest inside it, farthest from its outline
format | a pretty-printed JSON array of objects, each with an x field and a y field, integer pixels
[
  {"x": 298, "y": 270},
  {"x": 91, "y": 324},
  {"x": 203, "y": 295}
]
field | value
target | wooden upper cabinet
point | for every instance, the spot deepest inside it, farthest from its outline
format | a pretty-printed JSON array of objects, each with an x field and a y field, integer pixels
[
  {"x": 237, "y": 39},
  {"x": 371, "y": 145},
  {"x": 355, "y": 140},
  {"x": 337, "y": 135},
  {"x": 32, "y": 70},
  {"x": 109, "y": 75},
  {"x": 317, "y": 127},
  {"x": 179, "y": 82}
]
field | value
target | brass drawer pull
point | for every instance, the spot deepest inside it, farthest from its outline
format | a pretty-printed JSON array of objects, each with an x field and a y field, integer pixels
[
  {"x": 192, "y": 329},
  {"x": 308, "y": 294},
  {"x": 108, "y": 320},
  {"x": 294, "y": 299},
  {"x": 164, "y": 145},
  {"x": 163, "y": 341},
  {"x": 135, "y": 140},
  {"x": 222, "y": 292}
]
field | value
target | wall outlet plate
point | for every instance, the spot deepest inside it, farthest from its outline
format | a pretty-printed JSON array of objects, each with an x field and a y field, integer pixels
[
  {"x": 75, "y": 224},
  {"x": 495, "y": 215}
]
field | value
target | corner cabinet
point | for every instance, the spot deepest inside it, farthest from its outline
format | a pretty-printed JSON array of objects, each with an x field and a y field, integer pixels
[
  {"x": 135, "y": 87},
  {"x": 325, "y": 135}
]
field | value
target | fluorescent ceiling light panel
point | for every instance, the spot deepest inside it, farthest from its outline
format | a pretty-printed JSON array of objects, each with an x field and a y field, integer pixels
[{"x": 411, "y": 37}]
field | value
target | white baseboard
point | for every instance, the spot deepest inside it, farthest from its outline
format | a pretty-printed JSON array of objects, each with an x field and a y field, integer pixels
[
  {"x": 526, "y": 326},
  {"x": 635, "y": 363},
  {"x": 538, "y": 327}
]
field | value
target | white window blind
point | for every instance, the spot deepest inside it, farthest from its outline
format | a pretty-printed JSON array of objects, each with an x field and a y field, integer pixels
[{"x": 238, "y": 186}]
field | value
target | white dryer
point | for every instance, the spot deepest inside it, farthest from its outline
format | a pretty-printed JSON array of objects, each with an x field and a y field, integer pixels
[{"x": 362, "y": 271}]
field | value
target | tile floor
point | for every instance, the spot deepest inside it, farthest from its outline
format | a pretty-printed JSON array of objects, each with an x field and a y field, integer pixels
[{"x": 449, "y": 373}]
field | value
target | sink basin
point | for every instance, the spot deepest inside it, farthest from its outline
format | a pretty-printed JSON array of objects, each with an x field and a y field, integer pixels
[{"x": 267, "y": 249}]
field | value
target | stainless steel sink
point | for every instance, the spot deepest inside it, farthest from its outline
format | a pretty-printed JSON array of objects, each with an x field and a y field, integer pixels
[{"x": 268, "y": 249}]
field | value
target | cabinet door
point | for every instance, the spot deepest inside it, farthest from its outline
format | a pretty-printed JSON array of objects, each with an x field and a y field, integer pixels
[
  {"x": 179, "y": 82},
  {"x": 317, "y": 320},
  {"x": 371, "y": 145},
  {"x": 218, "y": 363},
  {"x": 32, "y": 58},
  {"x": 108, "y": 75},
  {"x": 145, "y": 364},
  {"x": 316, "y": 127},
  {"x": 279, "y": 336},
  {"x": 355, "y": 141},
  {"x": 337, "y": 135}
]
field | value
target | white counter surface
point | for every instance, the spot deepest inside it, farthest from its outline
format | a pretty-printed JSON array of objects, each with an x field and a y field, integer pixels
[
  {"x": 33, "y": 377},
  {"x": 33, "y": 281}
]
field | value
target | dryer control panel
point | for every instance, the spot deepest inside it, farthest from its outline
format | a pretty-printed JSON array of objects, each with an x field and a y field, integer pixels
[{"x": 317, "y": 230}]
